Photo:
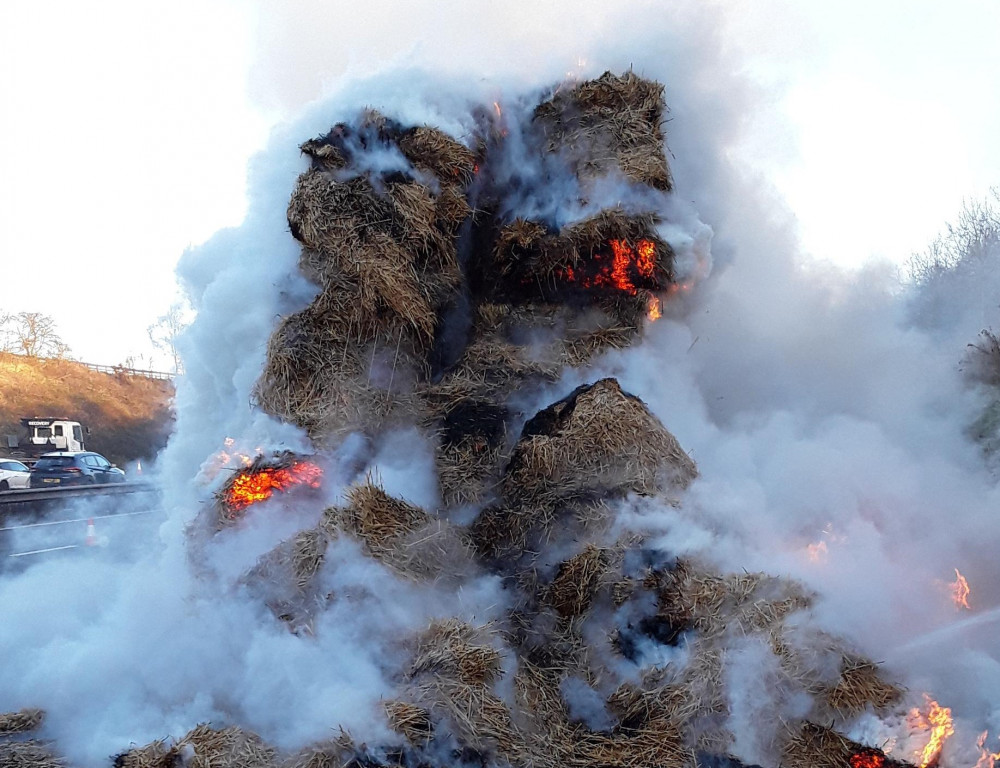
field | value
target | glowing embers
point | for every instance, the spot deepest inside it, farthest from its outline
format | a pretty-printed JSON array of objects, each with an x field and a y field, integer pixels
[
  {"x": 622, "y": 267},
  {"x": 868, "y": 758},
  {"x": 262, "y": 478},
  {"x": 938, "y": 722}
]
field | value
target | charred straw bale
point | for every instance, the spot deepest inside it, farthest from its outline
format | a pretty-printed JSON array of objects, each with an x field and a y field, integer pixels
[
  {"x": 860, "y": 686},
  {"x": 597, "y": 441},
  {"x": 21, "y": 721},
  {"x": 28, "y": 754},
  {"x": 471, "y": 442},
  {"x": 814, "y": 746},
  {"x": 613, "y": 120},
  {"x": 383, "y": 250}
]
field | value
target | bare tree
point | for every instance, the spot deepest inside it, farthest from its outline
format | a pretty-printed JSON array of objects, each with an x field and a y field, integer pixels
[
  {"x": 165, "y": 332},
  {"x": 31, "y": 333}
]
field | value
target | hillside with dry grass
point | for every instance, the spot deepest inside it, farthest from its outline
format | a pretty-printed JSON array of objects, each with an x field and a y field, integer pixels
[{"x": 130, "y": 417}]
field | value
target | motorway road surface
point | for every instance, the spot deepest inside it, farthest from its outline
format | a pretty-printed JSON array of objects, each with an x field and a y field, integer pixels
[{"x": 115, "y": 525}]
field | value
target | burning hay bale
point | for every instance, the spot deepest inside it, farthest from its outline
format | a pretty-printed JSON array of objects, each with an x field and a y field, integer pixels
[
  {"x": 603, "y": 260},
  {"x": 20, "y": 722},
  {"x": 817, "y": 747},
  {"x": 258, "y": 482},
  {"x": 400, "y": 534},
  {"x": 28, "y": 754},
  {"x": 614, "y": 120}
]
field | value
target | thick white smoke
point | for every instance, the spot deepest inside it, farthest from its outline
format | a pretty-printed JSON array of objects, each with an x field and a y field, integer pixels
[{"x": 818, "y": 412}]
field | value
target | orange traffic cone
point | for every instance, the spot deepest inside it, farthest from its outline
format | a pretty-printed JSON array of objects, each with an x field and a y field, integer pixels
[{"x": 91, "y": 540}]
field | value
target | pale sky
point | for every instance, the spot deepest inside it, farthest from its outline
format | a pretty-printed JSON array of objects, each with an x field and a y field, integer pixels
[{"x": 127, "y": 126}]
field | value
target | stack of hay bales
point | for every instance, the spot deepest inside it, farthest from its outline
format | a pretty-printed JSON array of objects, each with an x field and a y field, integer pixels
[
  {"x": 573, "y": 674},
  {"x": 549, "y": 489}
]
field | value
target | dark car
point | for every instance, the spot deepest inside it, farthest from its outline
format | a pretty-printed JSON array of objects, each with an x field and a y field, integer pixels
[{"x": 73, "y": 468}]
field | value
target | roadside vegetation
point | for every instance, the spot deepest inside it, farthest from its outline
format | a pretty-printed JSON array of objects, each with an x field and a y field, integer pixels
[
  {"x": 958, "y": 277},
  {"x": 130, "y": 417}
]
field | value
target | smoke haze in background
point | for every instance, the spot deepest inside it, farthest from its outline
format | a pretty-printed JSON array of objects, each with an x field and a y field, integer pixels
[{"x": 816, "y": 408}]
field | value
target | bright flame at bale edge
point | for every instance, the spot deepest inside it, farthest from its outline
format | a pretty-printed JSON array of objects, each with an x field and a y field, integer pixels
[{"x": 251, "y": 487}]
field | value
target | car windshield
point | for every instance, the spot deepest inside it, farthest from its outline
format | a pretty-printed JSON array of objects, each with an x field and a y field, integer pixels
[{"x": 54, "y": 461}]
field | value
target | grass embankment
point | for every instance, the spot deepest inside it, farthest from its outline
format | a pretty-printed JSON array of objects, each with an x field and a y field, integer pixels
[{"x": 129, "y": 417}]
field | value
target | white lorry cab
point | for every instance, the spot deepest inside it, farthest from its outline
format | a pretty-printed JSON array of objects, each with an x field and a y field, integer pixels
[{"x": 53, "y": 434}]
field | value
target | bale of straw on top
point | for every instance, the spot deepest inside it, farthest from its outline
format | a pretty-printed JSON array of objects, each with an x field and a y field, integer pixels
[
  {"x": 21, "y": 721},
  {"x": 813, "y": 746},
  {"x": 614, "y": 120},
  {"x": 596, "y": 441}
]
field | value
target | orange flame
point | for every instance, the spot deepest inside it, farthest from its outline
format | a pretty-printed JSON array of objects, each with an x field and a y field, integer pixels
[
  {"x": 960, "y": 591},
  {"x": 496, "y": 106},
  {"x": 938, "y": 721},
  {"x": 868, "y": 759},
  {"x": 627, "y": 265},
  {"x": 251, "y": 487},
  {"x": 987, "y": 759},
  {"x": 655, "y": 310}
]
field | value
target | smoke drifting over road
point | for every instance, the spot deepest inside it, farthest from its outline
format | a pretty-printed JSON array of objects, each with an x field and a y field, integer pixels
[{"x": 828, "y": 426}]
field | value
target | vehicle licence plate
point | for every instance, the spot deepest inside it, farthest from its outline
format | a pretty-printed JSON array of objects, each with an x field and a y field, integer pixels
[{"x": 50, "y": 479}]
